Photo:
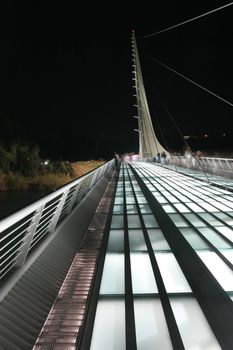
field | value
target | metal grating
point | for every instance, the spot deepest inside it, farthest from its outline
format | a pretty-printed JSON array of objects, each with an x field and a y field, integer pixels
[{"x": 64, "y": 323}]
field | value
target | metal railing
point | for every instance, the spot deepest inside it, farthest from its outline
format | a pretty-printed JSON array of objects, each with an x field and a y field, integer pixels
[
  {"x": 22, "y": 231},
  {"x": 212, "y": 165}
]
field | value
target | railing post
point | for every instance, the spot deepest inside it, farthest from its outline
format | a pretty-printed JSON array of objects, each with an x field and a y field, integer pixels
[
  {"x": 28, "y": 237},
  {"x": 228, "y": 164},
  {"x": 73, "y": 197},
  {"x": 57, "y": 213},
  {"x": 92, "y": 182}
]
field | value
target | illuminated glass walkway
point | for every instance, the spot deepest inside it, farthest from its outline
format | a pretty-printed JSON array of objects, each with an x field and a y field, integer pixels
[
  {"x": 140, "y": 259},
  {"x": 199, "y": 175},
  {"x": 167, "y": 279}
]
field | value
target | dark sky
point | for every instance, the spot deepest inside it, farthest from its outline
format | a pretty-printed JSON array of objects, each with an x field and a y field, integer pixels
[{"x": 65, "y": 73}]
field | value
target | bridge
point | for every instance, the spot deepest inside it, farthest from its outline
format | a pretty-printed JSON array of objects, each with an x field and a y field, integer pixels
[{"x": 136, "y": 258}]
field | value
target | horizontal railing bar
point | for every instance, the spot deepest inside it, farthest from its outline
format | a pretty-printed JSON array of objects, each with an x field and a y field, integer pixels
[
  {"x": 52, "y": 205},
  {"x": 13, "y": 218},
  {"x": 14, "y": 254},
  {"x": 19, "y": 234},
  {"x": 37, "y": 239},
  {"x": 45, "y": 220},
  {"x": 10, "y": 256},
  {"x": 23, "y": 230},
  {"x": 18, "y": 243},
  {"x": 16, "y": 229},
  {"x": 45, "y": 226},
  {"x": 5, "y": 272}
]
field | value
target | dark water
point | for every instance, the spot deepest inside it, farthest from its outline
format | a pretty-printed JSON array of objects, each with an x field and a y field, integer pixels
[{"x": 11, "y": 201}]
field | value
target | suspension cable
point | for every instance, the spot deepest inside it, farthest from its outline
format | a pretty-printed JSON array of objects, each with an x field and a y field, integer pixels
[
  {"x": 191, "y": 81},
  {"x": 173, "y": 121},
  {"x": 186, "y": 143},
  {"x": 187, "y": 21}
]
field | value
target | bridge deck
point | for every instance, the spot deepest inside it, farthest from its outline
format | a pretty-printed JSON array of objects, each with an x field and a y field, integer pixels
[
  {"x": 158, "y": 265},
  {"x": 164, "y": 276},
  {"x": 217, "y": 180}
]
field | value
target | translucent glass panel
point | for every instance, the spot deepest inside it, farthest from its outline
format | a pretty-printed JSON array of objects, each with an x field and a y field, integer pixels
[
  {"x": 178, "y": 220},
  {"x": 226, "y": 218},
  {"x": 169, "y": 209},
  {"x": 158, "y": 240},
  {"x": 182, "y": 198},
  {"x": 194, "y": 240},
  {"x": 194, "y": 220},
  {"x": 109, "y": 326},
  {"x": 131, "y": 209},
  {"x": 211, "y": 219},
  {"x": 118, "y": 209},
  {"x": 208, "y": 207},
  {"x": 227, "y": 196},
  {"x": 113, "y": 274},
  {"x": 181, "y": 208},
  {"x": 220, "y": 206},
  {"x": 160, "y": 199},
  {"x": 128, "y": 192},
  {"x": 118, "y": 200},
  {"x": 222, "y": 273},
  {"x": 133, "y": 221},
  {"x": 228, "y": 253},
  {"x": 151, "y": 188},
  {"x": 144, "y": 208},
  {"x": 229, "y": 204},
  {"x": 193, "y": 326},
  {"x": 119, "y": 191},
  {"x": 151, "y": 327},
  {"x": 214, "y": 238},
  {"x": 141, "y": 199},
  {"x": 150, "y": 221},
  {"x": 136, "y": 240},
  {"x": 226, "y": 231},
  {"x": 130, "y": 200},
  {"x": 117, "y": 221},
  {"x": 143, "y": 280},
  {"x": 173, "y": 277},
  {"x": 194, "y": 207},
  {"x": 116, "y": 241},
  {"x": 172, "y": 199}
]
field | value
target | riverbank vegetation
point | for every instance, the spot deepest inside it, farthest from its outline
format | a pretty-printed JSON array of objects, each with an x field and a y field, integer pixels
[{"x": 22, "y": 168}]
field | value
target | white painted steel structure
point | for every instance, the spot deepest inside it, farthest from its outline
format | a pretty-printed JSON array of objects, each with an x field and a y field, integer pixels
[
  {"x": 210, "y": 165},
  {"x": 24, "y": 230},
  {"x": 160, "y": 273},
  {"x": 149, "y": 145}
]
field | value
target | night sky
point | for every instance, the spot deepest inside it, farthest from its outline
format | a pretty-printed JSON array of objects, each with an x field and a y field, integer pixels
[{"x": 65, "y": 74}]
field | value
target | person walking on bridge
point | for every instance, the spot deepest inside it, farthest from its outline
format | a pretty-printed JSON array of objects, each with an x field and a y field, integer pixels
[
  {"x": 117, "y": 161},
  {"x": 163, "y": 158}
]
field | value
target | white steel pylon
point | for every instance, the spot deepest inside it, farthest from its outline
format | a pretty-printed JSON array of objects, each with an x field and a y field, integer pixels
[{"x": 149, "y": 145}]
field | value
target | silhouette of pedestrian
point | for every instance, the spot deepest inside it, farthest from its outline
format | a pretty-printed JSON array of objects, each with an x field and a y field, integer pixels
[
  {"x": 117, "y": 161},
  {"x": 163, "y": 158},
  {"x": 158, "y": 159}
]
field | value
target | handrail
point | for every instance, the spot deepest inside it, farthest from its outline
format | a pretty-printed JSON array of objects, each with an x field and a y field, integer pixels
[
  {"x": 218, "y": 166},
  {"x": 25, "y": 228}
]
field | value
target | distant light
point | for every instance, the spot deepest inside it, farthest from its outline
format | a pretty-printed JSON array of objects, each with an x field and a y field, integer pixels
[
  {"x": 206, "y": 135},
  {"x": 46, "y": 162},
  {"x": 135, "y": 157},
  {"x": 224, "y": 134}
]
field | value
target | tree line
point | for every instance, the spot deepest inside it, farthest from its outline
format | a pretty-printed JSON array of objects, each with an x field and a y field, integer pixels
[{"x": 25, "y": 160}]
